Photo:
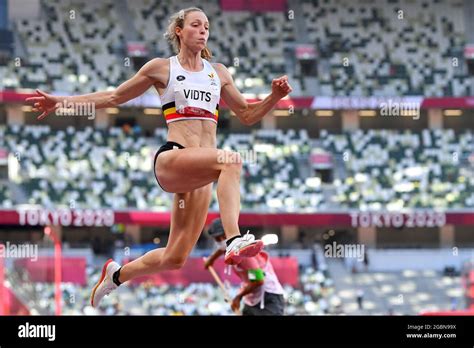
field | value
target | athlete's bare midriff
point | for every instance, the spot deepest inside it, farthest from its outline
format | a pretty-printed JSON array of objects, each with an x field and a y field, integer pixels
[
  {"x": 193, "y": 133},
  {"x": 189, "y": 133}
]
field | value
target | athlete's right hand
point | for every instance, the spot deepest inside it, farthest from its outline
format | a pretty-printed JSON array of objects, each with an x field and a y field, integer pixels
[
  {"x": 236, "y": 303},
  {"x": 207, "y": 264},
  {"x": 44, "y": 103}
]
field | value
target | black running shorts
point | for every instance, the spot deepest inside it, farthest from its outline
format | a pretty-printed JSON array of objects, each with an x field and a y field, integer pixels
[{"x": 170, "y": 145}]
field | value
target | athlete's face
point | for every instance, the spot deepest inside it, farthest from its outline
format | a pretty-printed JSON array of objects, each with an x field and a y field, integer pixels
[{"x": 195, "y": 32}]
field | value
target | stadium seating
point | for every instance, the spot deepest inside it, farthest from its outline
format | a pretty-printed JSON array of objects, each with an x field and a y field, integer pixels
[
  {"x": 395, "y": 170},
  {"x": 78, "y": 62},
  {"x": 412, "y": 50},
  {"x": 413, "y": 55},
  {"x": 5, "y": 197},
  {"x": 382, "y": 169},
  {"x": 66, "y": 51},
  {"x": 409, "y": 292},
  {"x": 405, "y": 293},
  {"x": 321, "y": 291},
  {"x": 109, "y": 168},
  {"x": 250, "y": 42},
  {"x": 316, "y": 296}
]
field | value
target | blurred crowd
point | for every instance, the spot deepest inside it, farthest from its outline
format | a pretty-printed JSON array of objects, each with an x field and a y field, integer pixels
[{"x": 314, "y": 296}]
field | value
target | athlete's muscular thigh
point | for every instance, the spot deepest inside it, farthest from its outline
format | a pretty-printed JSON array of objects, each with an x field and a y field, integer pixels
[
  {"x": 189, "y": 215},
  {"x": 190, "y": 168}
]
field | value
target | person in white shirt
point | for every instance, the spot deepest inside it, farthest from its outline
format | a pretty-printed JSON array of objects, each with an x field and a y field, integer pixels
[{"x": 261, "y": 290}]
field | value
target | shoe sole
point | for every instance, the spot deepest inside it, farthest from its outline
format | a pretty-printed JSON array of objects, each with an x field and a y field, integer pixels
[
  {"x": 249, "y": 251},
  {"x": 102, "y": 277}
]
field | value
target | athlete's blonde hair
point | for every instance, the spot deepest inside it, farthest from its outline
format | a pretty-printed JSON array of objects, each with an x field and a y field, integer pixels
[{"x": 177, "y": 21}]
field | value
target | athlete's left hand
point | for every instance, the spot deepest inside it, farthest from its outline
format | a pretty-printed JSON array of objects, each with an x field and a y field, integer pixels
[
  {"x": 236, "y": 303},
  {"x": 281, "y": 87}
]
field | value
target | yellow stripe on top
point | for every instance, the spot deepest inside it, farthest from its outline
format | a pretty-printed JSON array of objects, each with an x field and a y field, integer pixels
[{"x": 169, "y": 112}]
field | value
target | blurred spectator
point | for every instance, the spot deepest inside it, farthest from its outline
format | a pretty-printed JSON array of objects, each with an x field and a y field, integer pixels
[
  {"x": 260, "y": 289},
  {"x": 360, "y": 298},
  {"x": 366, "y": 260}
]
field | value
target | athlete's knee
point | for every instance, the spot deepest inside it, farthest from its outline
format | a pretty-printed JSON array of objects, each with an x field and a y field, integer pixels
[
  {"x": 230, "y": 160},
  {"x": 174, "y": 261}
]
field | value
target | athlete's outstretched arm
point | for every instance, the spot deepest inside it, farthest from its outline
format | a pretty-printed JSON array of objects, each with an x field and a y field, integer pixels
[
  {"x": 251, "y": 113},
  {"x": 148, "y": 75}
]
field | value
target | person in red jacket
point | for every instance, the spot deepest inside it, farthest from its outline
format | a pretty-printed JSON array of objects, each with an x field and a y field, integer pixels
[{"x": 261, "y": 290}]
